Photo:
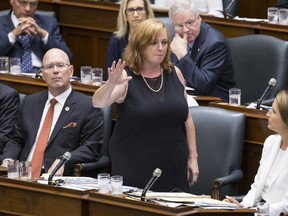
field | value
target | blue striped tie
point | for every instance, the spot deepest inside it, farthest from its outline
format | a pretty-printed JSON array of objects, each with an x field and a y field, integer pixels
[{"x": 26, "y": 57}]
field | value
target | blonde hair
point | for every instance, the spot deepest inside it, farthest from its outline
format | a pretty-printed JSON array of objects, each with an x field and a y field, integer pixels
[
  {"x": 122, "y": 24},
  {"x": 282, "y": 102},
  {"x": 140, "y": 39}
]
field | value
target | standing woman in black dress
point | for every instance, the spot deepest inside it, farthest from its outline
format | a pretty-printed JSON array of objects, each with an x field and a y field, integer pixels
[{"x": 154, "y": 128}]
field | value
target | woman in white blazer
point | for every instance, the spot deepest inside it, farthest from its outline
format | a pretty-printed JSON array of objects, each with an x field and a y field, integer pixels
[{"x": 271, "y": 181}]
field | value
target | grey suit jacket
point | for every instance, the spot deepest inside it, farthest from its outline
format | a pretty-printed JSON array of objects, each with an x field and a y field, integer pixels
[
  {"x": 209, "y": 69},
  {"x": 82, "y": 139},
  {"x": 48, "y": 23}
]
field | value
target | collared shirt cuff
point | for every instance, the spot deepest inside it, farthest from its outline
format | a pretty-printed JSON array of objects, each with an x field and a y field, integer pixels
[
  {"x": 12, "y": 38},
  {"x": 45, "y": 39}
]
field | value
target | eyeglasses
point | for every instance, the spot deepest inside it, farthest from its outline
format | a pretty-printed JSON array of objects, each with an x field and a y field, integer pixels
[
  {"x": 139, "y": 10},
  {"x": 25, "y": 3},
  {"x": 189, "y": 24},
  {"x": 155, "y": 43},
  {"x": 60, "y": 66}
]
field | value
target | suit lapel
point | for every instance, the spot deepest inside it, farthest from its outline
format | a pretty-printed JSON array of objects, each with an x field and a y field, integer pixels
[
  {"x": 37, "y": 114},
  {"x": 198, "y": 42},
  {"x": 66, "y": 111},
  {"x": 8, "y": 25}
]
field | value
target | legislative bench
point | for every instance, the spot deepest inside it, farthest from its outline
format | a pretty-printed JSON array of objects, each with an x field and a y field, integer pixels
[{"x": 20, "y": 197}]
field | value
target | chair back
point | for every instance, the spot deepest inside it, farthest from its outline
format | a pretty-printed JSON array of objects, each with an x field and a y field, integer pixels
[
  {"x": 168, "y": 24},
  {"x": 219, "y": 138},
  {"x": 92, "y": 169},
  {"x": 22, "y": 97},
  {"x": 257, "y": 59},
  {"x": 230, "y": 7}
]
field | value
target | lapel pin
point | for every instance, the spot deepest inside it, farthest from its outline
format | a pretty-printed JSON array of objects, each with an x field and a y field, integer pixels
[{"x": 67, "y": 109}]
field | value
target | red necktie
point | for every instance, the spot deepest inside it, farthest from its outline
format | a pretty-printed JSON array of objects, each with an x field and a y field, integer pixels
[{"x": 37, "y": 159}]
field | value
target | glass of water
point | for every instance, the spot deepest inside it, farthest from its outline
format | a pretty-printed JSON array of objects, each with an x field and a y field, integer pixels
[
  {"x": 104, "y": 183},
  {"x": 272, "y": 13},
  {"x": 97, "y": 76},
  {"x": 13, "y": 169},
  {"x": 235, "y": 96},
  {"x": 86, "y": 74},
  {"x": 116, "y": 185}
]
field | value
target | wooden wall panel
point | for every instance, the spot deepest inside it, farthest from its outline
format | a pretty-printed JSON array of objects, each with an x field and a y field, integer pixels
[
  {"x": 254, "y": 8},
  {"x": 89, "y": 47}
]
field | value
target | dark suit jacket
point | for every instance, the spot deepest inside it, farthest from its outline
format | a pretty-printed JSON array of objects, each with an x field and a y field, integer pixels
[
  {"x": 9, "y": 102},
  {"x": 48, "y": 23},
  {"x": 209, "y": 69},
  {"x": 83, "y": 140},
  {"x": 115, "y": 50}
]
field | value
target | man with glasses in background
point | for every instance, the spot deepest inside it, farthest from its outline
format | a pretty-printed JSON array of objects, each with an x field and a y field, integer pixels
[
  {"x": 76, "y": 126},
  {"x": 28, "y": 36},
  {"x": 200, "y": 52}
]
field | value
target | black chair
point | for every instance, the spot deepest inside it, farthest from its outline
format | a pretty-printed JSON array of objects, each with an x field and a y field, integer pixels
[
  {"x": 92, "y": 169},
  {"x": 168, "y": 24},
  {"x": 230, "y": 7},
  {"x": 257, "y": 59},
  {"x": 220, "y": 139}
]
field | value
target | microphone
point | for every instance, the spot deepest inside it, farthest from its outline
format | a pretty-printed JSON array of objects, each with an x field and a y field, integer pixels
[
  {"x": 63, "y": 160},
  {"x": 227, "y": 9},
  {"x": 156, "y": 174},
  {"x": 38, "y": 74},
  {"x": 271, "y": 84}
]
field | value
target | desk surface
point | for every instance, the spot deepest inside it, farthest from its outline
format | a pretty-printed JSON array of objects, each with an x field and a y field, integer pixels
[
  {"x": 30, "y": 198},
  {"x": 29, "y": 85}
]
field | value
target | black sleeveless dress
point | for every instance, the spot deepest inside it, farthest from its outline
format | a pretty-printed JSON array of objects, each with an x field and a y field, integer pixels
[{"x": 150, "y": 133}]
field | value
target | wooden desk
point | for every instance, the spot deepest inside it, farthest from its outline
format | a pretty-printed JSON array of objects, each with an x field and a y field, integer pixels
[
  {"x": 29, "y": 198},
  {"x": 108, "y": 205},
  {"x": 256, "y": 131},
  {"x": 236, "y": 28},
  {"x": 29, "y": 85}
]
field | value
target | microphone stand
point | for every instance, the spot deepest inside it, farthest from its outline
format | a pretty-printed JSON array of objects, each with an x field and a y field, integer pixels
[{"x": 227, "y": 9}]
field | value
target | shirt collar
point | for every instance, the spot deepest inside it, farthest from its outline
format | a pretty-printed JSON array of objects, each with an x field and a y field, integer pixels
[
  {"x": 14, "y": 19},
  {"x": 62, "y": 97}
]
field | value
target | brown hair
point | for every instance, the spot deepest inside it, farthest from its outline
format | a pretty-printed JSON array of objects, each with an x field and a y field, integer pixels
[{"x": 140, "y": 39}]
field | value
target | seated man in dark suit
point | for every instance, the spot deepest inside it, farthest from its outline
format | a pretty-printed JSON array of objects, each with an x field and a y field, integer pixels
[
  {"x": 77, "y": 127},
  {"x": 9, "y": 102},
  {"x": 200, "y": 52},
  {"x": 41, "y": 33}
]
